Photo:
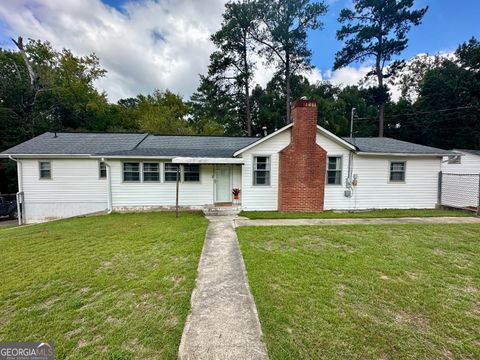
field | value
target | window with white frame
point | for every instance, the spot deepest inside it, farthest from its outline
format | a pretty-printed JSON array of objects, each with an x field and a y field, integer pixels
[
  {"x": 170, "y": 172},
  {"x": 151, "y": 172},
  {"x": 334, "y": 170},
  {"x": 397, "y": 171},
  {"x": 102, "y": 170},
  {"x": 261, "y": 170},
  {"x": 45, "y": 169},
  {"x": 191, "y": 173},
  {"x": 131, "y": 171}
]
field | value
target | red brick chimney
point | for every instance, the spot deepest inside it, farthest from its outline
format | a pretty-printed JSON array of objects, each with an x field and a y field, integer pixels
[{"x": 302, "y": 163}]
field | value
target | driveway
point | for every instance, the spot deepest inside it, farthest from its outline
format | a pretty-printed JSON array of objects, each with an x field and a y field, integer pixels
[{"x": 6, "y": 222}]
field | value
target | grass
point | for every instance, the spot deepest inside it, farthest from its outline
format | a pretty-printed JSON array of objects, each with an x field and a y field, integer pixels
[
  {"x": 385, "y": 213},
  {"x": 106, "y": 287},
  {"x": 366, "y": 292}
]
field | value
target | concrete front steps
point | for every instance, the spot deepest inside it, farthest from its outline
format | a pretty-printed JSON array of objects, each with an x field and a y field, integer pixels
[{"x": 213, "y": 210}]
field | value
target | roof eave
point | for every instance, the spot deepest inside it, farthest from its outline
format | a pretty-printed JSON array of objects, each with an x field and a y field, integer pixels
[
  {"x": 207, "y": 160},
  {"x": 35, "y": 156},
  {"x": 367, "y": 153}
]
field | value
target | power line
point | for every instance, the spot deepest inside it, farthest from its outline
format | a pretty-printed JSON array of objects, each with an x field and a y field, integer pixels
[{"x": 418, "y": 113}]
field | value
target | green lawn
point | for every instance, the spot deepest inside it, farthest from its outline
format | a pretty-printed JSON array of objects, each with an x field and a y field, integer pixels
[
  {"x": 386, "y": 213},
  {"x": 106, "y": 287},
  {"x": 366, "y": 292}
]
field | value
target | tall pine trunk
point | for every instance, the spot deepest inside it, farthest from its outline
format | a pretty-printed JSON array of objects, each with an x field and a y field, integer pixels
[
  {"x": 381, "y": 114},
  {"x": 287, "y": 86},
  {"x": 246, "y": 71}
]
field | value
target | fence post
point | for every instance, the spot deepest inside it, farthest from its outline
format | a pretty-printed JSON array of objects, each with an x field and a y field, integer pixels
[
  {"x": 478, "y": 204},
  {"x": 439, "y": 190}
]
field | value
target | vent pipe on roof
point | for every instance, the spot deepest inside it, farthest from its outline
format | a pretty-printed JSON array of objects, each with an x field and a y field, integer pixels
[{"x": 264, "y": 131}]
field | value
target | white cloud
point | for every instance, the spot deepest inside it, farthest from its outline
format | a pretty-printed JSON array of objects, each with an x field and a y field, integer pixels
[
  {"x": 348, "y": 75},
  {"x": 148, "y": 45}
]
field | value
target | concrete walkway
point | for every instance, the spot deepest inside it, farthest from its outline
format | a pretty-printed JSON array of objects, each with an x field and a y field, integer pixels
[
  {"x": 223, "y": 323},
  {"x": 372, "y": 221}
]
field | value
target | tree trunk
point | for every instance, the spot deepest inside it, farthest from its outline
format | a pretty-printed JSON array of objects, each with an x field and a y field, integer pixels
[
  {"x": 381, "y": 114},
  {"x": 287, "y": 86},
  {"x": 381, "y": 123},
  {"x": 31, "y": 72},
  {"x": 247, "y": 86},
  {"x": 247, "y": 104}
]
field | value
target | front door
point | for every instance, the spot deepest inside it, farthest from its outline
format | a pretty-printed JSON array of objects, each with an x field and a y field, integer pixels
[{"x": 222, "y": 183}]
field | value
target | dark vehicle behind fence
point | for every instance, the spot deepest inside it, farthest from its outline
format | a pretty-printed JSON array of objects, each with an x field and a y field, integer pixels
[{"x": 8, "y": 206}]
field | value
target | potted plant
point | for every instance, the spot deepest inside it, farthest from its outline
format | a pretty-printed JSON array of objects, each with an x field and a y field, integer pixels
[{"x": 236, "y": 193}]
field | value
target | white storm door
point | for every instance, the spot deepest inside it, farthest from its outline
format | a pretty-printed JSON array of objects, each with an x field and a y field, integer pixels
[{"x": 222, "y": 183}]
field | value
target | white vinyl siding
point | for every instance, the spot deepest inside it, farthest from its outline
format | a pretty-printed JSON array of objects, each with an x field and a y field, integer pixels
[
  {"x": 263, "y": 197},
  {"x": 158, "y": 194},
  {"x": 375, "y": 190},
  {"x": 469, "y": 164},
  {"x": 334, "y": 194},
  {"x": 74, "y": 189}
]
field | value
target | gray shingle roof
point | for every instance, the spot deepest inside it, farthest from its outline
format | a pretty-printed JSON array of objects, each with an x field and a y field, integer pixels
[
  {"x": 76, "y": 143},
  {"x": 130, "y": 144},
  {"x": 124, "y": 144},
  {"x": 194, "y": 146},
  {"x": 393, "y": 146}
]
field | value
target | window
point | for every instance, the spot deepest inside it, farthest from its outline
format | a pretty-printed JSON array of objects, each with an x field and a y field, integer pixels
[
  {"x": 171, "y": 172},
  {"x": 45, "y": 169},
  {"x": 102, "y": 170},
  {"x": 191, "y": 173},
  {"x": 131, "y": 171},
  {"x": 261, "y": 170},
  {"x": 397, "y": 171},
  {"x": 455, "y": 159},
  {"x": 334, "y": 170},
  {"x": 151, "y": 172}
]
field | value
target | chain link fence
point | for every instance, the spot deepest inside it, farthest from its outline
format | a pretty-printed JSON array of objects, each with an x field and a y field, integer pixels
[{"x": 459, "y": 191}]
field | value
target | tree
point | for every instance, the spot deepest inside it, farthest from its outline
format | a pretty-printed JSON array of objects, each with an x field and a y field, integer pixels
[
  {"x": 281, "y": 28},
  {"x": 410, "y": 78},
  {"x": 446, "y": 112},
  {"x": 230, "y": 64},
  {"x": 378, "y": 29},
  {"x": 163, "y": 112},
  {"x": 214, "y": 110}
]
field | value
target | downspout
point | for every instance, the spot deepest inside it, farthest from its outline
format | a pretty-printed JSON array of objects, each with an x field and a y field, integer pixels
[
  {"x": 19, "y": 195},
  {"x": 109, "y": 186}
]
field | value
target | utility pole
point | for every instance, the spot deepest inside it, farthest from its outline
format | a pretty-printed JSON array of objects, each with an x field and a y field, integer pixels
[{"x": 351, "y": 122}]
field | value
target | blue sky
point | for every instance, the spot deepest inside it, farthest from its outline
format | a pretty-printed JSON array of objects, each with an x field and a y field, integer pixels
[
  {"x": 121, "y": 33},
  {"x": 446, "y": 24}
]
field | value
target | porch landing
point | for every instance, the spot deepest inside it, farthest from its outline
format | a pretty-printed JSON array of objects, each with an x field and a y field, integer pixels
[{"x": 222, "y": 209}]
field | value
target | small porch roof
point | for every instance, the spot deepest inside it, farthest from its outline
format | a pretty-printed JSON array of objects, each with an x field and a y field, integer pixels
[{"x": 206, "y": 160}]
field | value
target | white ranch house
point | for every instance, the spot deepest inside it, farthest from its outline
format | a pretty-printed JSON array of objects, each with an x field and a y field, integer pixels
[{"x": 68, "y": 174}]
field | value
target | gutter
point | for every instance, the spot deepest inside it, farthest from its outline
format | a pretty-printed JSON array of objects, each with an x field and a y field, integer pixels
[
  {"x": 109, "y": 187},
  {"x": 360, "y": 153},
  {"x": 19, "y": 195}
]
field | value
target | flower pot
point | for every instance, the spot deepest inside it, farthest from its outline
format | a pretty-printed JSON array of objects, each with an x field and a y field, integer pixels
[{"x": 235, "y": 197}]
